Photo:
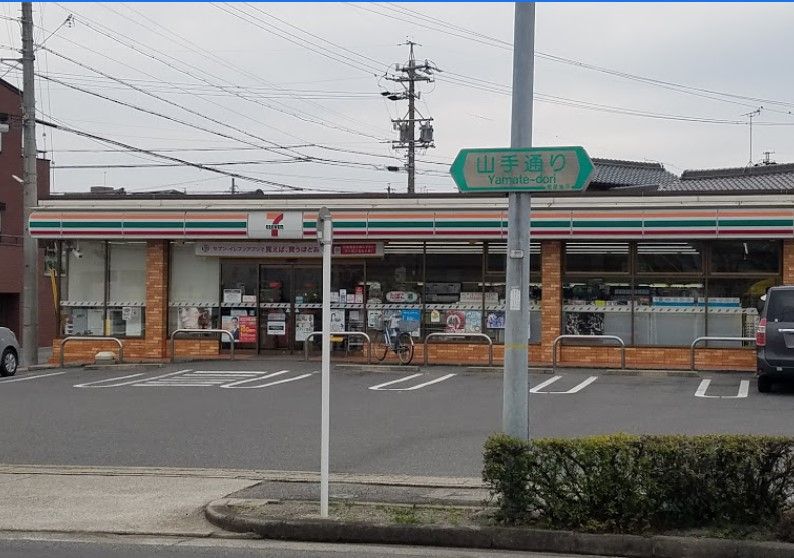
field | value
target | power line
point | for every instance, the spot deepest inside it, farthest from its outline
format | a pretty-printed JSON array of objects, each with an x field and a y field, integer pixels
[
  {"x": 182, "y": 162},
  {"x": 444, "y": 26},
  {"x": 174, "y": 63},
  {"x": 164, "y": 100},
  {"x": 275, "y": 149}
]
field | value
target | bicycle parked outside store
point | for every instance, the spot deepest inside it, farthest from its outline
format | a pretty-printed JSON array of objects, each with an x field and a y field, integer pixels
[{"x": 395, "y": 337}]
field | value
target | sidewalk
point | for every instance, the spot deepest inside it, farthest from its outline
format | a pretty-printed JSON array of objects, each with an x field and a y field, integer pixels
[{"x": 49, "y": 499}]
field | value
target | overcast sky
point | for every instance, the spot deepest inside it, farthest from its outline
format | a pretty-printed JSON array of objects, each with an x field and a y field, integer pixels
[{"x": 240, "y": 72}]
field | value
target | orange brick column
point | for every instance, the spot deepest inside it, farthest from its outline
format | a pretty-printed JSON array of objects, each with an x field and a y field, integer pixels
[
  {"x": 551, "y": 301},
  {"x": 788, "y": 262},
  {"x": 156, "y": 299}
]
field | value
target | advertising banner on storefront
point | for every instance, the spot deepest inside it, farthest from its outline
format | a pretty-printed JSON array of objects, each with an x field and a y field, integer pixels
[{"x": 286, "y": 249}]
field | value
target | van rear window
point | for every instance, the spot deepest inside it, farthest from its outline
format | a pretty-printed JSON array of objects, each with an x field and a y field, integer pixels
[{"x": 780, "y": 307}]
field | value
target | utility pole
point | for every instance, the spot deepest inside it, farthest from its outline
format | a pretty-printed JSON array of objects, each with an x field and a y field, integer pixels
[
  {"x": 750, "y": 116},
  {"x": 515, "y": 384},
  {"x": 407, "y": 76},
  {"x": 234, "y": 188},
  {"x": 30, "y": 289}
]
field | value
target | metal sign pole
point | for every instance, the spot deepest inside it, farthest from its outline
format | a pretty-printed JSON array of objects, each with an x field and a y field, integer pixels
[
  {"x": 515, "y": 386},
  {"x": 324, "y": 231}
]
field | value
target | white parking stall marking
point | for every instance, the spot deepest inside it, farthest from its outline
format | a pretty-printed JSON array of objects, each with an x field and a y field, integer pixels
[
  {"x": 106, "y": 383},
  {"x": 236, "y": 385},
  {"x": 26, "y": 378},
  {"x": 383, "y": 386},
  {"x": 199, "y": 378},
  {"x": 577, "y": 388},
  {"x": 744, "y": 390},
  {"x": 233, "y": 379}
]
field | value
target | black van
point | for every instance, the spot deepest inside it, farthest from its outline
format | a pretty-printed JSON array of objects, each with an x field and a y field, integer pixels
[{"x": 774, "y": 338}]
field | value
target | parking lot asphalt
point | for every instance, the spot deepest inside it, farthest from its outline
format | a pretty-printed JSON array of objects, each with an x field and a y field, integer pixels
[{"x": 264, "y": 414}]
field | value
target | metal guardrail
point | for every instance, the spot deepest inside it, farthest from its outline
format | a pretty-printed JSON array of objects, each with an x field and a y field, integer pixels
[
  {"x": 339, "y": 334},
  {"x": 571, "y": 336},
  {"x": 464, "y": 335},
  {"x": 221, "y": 331},
  {"x": 706, "y": 339},
  {"x": 92, "y": 338}
]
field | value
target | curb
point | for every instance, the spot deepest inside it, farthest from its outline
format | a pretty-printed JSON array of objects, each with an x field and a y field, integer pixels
[{"x": 502, "y": 538}]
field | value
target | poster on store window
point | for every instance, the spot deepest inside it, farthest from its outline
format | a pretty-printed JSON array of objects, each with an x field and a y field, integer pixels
[
  {"x": 455, "y": 321},
  {"x": 584, "y": 323},
  {"x": 276, "y": 328},
  {"x": 473, "y": 321},
  {"x": 195, "y": 317},
  {"x": 495, "y": 320},
  {"x": 304, "y": 326},
  {"x": 242, "y": 324},
  {"x": 337, "y": 320}
]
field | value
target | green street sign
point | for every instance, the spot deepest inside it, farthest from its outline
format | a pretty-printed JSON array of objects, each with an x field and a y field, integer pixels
[{"x": 531, "y": 169}]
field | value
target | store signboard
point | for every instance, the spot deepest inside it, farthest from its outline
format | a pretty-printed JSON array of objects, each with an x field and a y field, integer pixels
[
  {"x": 286, "y": 249},
  {"x": 275, "y": 224}
]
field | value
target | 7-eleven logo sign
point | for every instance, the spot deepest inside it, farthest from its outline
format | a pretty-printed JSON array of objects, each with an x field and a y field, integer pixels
[{"x": 273, "y": 223}]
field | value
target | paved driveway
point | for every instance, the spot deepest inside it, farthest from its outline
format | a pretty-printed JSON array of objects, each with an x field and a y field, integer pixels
[{"x": 265, "y": 414}]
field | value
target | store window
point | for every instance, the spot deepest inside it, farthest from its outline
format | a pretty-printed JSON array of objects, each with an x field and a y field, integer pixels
[
  {"x": 453, "y": 288},
  {"x": 745, "y": 256},
  {"x": 671, "y": 292},
  {"x": 732, "y": 305},
  {"x": 669, "y": 257},
  {"x": 597, "y": 289},
  {"x": 597, "y": 306},
  {"x": 395, "y": 287},
  {"x": 741, "y": 271},
  {"x": 494, "y": 287},
  {"x": 602, "y": 257},
  {"x": 126, "y": 304},
  {"x": 347, "y": 303},
  {"x": 239, "y": 314},
  {"x": 194, "y": 299},
  {"x": 669, "y": 311},
  {"x": 83, "y": 287}
]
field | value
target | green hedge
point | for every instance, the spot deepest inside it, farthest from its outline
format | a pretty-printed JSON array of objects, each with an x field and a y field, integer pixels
[{"x": 627, "y": 483}]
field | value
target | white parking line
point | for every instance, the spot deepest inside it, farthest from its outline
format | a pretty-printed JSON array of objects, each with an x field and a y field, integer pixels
[
  {"x": 26, "y": 378},
  {"x": 577, "y": 388},
  {"x": 236, "y": 385},
  {"x": 106, "y": 382},
  {"x": 254, "y": 379},
  {"x": 382, "y": 387},
  {"x": 744, "y": 390}
]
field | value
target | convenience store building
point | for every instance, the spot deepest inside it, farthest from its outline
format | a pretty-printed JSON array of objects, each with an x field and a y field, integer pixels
[{"x": 655, "y": 259}]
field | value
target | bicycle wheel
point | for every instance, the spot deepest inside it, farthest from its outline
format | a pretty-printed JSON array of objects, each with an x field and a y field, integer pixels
[
  {"x": 405, "y": 349},
  {"x": 379, "y": 346}
]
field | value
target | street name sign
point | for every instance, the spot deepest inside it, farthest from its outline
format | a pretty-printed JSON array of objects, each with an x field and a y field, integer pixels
[{"x": 531, "y": 169}]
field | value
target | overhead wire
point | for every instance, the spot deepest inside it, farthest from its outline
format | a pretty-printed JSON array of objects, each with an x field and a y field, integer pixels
[
  {"x": 192, "y": 70},
  {"x": 444, "y": 26},
  {"x": 182, "y": 162},
  {"x": 172, "y": 35}
]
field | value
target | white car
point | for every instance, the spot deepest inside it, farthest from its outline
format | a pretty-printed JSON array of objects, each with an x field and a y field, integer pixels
[{"x": 9, "y": 352}]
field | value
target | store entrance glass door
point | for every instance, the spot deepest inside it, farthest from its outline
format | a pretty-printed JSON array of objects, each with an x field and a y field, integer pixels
[
  {"x": 275, "y": 307},
  {"x": 289, "y": 304}
]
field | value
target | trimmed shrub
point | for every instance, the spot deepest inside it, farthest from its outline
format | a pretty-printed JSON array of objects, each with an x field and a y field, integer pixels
[{"x": 625, "y": 483}]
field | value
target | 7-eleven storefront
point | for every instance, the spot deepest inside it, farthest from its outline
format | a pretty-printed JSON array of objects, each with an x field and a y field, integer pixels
[{"x": 655, "y": 271}]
